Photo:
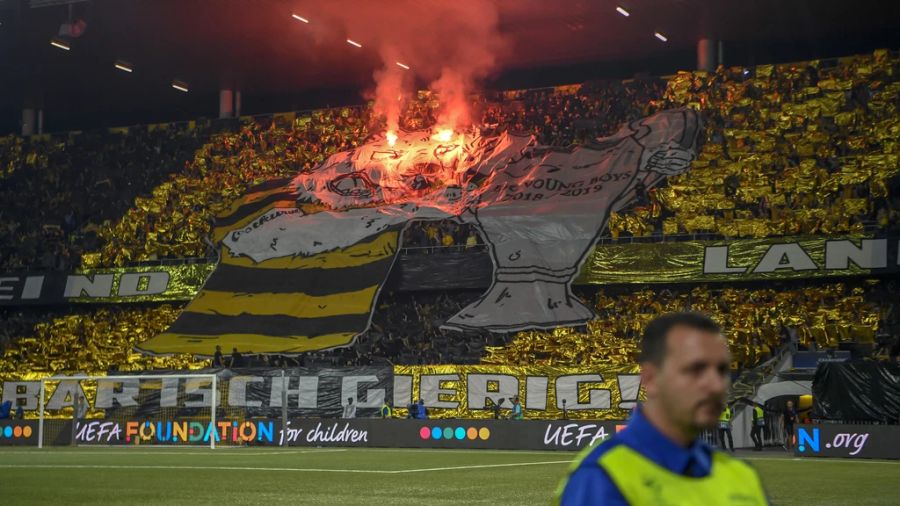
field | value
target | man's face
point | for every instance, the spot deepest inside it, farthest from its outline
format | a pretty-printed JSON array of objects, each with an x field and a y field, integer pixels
[
  {"x": 790, "y": 404},
  {"x": 692, "y": 382}
]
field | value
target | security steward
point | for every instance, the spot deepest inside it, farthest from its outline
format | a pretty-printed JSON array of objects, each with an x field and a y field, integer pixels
[
  {"x": 725, "y": 429},
  {"x": 659, "y": 458},
  {"x": 759, "y": 426}
]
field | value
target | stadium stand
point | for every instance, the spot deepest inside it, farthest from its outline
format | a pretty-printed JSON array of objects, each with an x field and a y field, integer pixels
[
  {"x": 50, "y": 216},
  {"x": 757, "y": 321},
  {"x": 804, "y": 148},
  {"x": 405, "y": 330}
]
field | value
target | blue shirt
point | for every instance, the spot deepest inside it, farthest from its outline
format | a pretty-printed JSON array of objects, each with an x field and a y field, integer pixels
[{"x": 590, "y": 485}]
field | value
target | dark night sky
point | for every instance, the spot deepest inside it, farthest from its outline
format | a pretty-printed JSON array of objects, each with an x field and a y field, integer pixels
[{"x": 281, "y": 64}]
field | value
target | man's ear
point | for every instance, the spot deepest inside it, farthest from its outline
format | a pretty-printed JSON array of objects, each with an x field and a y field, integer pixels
[{"x": 649, "y": 375}]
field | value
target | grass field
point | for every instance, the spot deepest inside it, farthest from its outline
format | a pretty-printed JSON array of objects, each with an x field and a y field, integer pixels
[{"x": 371, "y": 477}]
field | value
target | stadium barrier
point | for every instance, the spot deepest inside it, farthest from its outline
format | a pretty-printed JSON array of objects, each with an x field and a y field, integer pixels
[
  {"x": 858, "y": 441},
  {"x": 22, "y": 433},
  {"x": 318, "y": 432}
]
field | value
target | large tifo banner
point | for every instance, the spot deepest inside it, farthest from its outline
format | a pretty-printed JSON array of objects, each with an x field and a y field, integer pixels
[
  {"x": 303, "y": 259},
  {"x": 447, "y": 391},
  {"x": 848, "y": 441}
]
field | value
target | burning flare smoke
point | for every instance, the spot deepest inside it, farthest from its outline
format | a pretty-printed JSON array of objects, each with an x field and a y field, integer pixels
[{"x": 449, "y": 45}]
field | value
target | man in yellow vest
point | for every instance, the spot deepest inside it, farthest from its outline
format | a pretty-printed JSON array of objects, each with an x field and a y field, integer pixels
[
  {"x": 759, "y": 425},
  {"x": 725, "y": 429},
  {"x": 660, "y": 458}
]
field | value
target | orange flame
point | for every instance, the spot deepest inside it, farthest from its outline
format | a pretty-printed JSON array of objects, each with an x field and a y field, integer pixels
[
  {"x": 443, "y": 135},
  {"x": 391, "y": 137}
]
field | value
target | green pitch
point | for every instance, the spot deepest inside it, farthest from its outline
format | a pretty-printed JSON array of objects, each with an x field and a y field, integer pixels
[{"x": 370, "y": 477}]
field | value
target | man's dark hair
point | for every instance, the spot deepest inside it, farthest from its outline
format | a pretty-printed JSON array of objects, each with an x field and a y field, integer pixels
[{"x": 653, "y": 345}]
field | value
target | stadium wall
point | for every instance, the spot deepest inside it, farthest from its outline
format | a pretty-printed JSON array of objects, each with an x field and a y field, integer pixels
[
  {"x": 354, "y": 433},
  {"x": 848, "y": 441}
]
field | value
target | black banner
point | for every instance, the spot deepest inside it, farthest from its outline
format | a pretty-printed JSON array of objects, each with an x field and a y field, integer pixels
[
  {"x": 418, "y": 270},
  {"x": 451, "y": 433},
  {"x": 18, "y": 432},
  {"x": 857, "y": 391},
  {"x": 360, "y": 433},
  {"x": 848, "y": 441},
  {"x": 25, "y": 432}
]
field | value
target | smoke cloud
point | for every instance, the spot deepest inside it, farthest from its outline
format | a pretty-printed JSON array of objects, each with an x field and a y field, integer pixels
[{"x": 450, "y": 45}]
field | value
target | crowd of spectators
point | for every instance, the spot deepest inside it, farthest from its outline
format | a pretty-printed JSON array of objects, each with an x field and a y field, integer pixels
[
  {"x": 19, "y": 321},
  {"x": 176, "y": 220},
  {"x": 440, "y": 237},
  {"x": 807, "y": 148},
  {"x": 94, "y": 340},
  {"x": 791, "y": 149},
  {"x": 87, "y": 339},
  {"x": 58, "y": 191},
  {"x": 756, "y": 321},
  {"x": 576, "y": 114},
  {"x": 166, "y": 185},
  {"x": 405, "y": 329}
]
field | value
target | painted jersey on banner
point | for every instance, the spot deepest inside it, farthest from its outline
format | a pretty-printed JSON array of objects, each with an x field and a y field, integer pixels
[{"x": 303, "y": 259}]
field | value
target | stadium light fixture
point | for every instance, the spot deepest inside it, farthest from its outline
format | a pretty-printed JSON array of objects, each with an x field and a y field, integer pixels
[
  {"x": 124, "y": 66},
  {"x": 401, "y": 65},
  {"x": 180, "y": 86},
  {"x": 299, "y": 18},
  {"x": 353, "y": 43},
  {"x": 60, "y": 44},
  {"x": 660, "y": 36},
  {"x": 621, "y": 10}
]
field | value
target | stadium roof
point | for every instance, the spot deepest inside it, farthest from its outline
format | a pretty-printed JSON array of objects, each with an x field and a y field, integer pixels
[{"x": 281, "y": 63}]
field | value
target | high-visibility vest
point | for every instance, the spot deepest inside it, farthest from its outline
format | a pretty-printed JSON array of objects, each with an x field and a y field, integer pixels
[
  {"x": 386, "y": 411},
  {"x": 642, "y": 481},
  {"x": 725, "y": 418},
  {"x": 760, "y": 418}
]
